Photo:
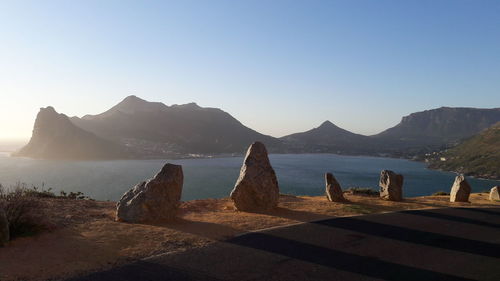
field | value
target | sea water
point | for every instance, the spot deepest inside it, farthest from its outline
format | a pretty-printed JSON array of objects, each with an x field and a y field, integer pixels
[{"x": 298, "y": 174}]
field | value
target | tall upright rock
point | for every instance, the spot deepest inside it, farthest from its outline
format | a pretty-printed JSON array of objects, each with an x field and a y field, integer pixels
[
  {"x": 460, "y": 190},
  {"x": 333, "y": 190},
  {"x": 4, "y": 228},
  {"x": 495, "y": 193},
  {"x": 391, "y": 186},
  {"x": 257, "y": 186},
  {"x": 153, "y": 200}
]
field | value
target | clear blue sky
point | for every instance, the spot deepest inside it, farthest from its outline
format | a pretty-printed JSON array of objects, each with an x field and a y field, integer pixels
[{"x": 277, "y": 66}]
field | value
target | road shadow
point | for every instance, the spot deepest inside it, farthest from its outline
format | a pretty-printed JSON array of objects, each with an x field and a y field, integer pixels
[
  {"x": 368, "y": 266},
  {"x": 436, "y": 215},
  {"x": 414, "y": 236}
]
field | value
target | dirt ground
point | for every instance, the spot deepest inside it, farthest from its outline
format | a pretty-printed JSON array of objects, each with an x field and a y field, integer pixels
[{"x": 86, "y": 238}]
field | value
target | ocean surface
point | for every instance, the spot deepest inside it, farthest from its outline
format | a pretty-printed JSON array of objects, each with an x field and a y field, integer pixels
[{"x": 298, "y": 174}]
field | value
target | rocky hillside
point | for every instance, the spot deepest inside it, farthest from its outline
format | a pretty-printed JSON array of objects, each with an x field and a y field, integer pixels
[
  {"x": 158, "y": 130},
  {"x": 56, "y": 137},
  {"x": 477, "y": 156}
]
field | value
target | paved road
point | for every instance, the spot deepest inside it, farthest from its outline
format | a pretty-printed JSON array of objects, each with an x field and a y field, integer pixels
[{"x": 438, "y": 244}]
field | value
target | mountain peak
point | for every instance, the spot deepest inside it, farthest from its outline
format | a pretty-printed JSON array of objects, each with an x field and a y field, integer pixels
[
  {"x": 327, "y": 124},
  {"x": 191, "y": 105},
  {"x": 49, "y": 109},
  {"x": 133, "y": 98},
  {"x": 133, "y": 104}
]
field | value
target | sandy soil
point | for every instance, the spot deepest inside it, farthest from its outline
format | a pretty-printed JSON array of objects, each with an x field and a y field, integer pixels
[{"x": 86, "y": 238}]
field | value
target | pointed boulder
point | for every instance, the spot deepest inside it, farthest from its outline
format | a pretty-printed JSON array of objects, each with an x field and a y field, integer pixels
[
  {"x": 153, "y": 200},
  {"x": 494, "y": 194},
  {"x": 257, "y": 186},
  {"x": 460, "y": 190},
  {"x": 4, "y": 228},
  {"x": 333, "y": 190},
  {"x": 391, "y": 186}
]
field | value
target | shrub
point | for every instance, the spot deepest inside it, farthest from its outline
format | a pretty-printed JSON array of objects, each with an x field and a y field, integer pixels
[
  {"x": 363, "y": 191},
  {"x": 23, "y": 212},
  {"x": 24, "y": 209},
  {"x": 440, "y": 193}
]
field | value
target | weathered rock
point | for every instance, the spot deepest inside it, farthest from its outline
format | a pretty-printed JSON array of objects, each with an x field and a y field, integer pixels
[
  {"x": 495, "y": 194},
  {"x": 391, "y": 186},
  {"x": 257, "y": 186},
  {"x": 333, "y": 190},
  {"x": 460, "y": 190},
  {"x": 153, "y": 200},
  {"x": 4, "y": 228}
]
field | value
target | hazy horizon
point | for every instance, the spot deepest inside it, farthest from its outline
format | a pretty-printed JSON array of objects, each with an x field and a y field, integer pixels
[{"x": 279, "y": 68}]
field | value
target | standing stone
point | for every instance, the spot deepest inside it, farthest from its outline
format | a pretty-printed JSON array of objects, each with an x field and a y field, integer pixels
[
  {"x": 333, "y": 190},
  {"x": 4, "y": 228},
  {"x": 257, "y": 187},
  {"x": 153, "y": 200},
  {"x": 494, "y": 194},
  {"x": 460, "y": 190},
  {"x": 391, "y": 186}
]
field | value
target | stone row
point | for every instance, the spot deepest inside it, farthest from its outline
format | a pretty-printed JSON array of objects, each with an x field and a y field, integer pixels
[{"x": 256, "y": 190}]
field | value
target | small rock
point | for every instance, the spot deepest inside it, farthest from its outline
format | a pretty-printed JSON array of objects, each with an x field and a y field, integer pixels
[
  {"x": 494, "y": 194},
  {"x": 4, "y": 228},
  {"x": 391, "y": 186},
  {"x": 257, "y": 186},
  {"x": 460, "y": 190},
  {"x": 155, "y": 199},
  {"x": 333, "y": 190}
]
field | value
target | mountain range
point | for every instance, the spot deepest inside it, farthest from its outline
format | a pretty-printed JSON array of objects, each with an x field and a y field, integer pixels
[{"x": 135, "y": 128}]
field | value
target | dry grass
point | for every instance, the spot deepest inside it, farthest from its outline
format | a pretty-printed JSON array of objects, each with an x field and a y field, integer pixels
[{"x": 86, "y": 237}]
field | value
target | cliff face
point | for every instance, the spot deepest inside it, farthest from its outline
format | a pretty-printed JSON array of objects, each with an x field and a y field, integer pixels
[
  {"x": 440, "y": 126},
  {"x": 477, "y": 156},
  {"x": 56, "y": 137}
]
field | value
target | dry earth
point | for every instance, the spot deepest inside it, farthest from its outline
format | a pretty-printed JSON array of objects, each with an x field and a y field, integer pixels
[{"x": 86, "y": 238}]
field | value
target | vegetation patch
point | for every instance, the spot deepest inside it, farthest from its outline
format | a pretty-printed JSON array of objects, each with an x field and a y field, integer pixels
[
  {"x": 440, "y": 193},
  {"x": 363, "y": 191},
  {"x": 25, "y": 213}
]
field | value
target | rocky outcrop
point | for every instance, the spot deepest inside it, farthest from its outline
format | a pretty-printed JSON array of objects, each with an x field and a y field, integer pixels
[
  {"x": 391, "y": 186},
  {"x": 333, "y": 190},
  {"x": 494, "y": 194},
  {"x": 460, "y": 190},
  {"x": 56, "y": 137},
  {"x": 257, "y": 186},
  {"x": 153, "y": 200},
  {"x": 4, "y": 228}
]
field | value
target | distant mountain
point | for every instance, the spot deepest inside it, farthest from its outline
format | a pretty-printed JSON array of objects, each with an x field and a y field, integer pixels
[
  {"x": 158, "y": 130},
  {"x": 329, "y": 138},
  {"x": 477, "y": 156},
  {"x": 135, "y": 128},
  {"x": 56, "y": 137},
  {"x": 437, "y": 127}
]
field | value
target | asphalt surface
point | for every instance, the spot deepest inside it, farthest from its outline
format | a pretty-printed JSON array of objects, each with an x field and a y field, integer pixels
[{"x": 436, "y": 244}]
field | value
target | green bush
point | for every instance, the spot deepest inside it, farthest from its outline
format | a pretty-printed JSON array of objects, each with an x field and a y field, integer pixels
[
  {"x": 363, "y": 191},
  {"x": 440, "y": 193}
]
